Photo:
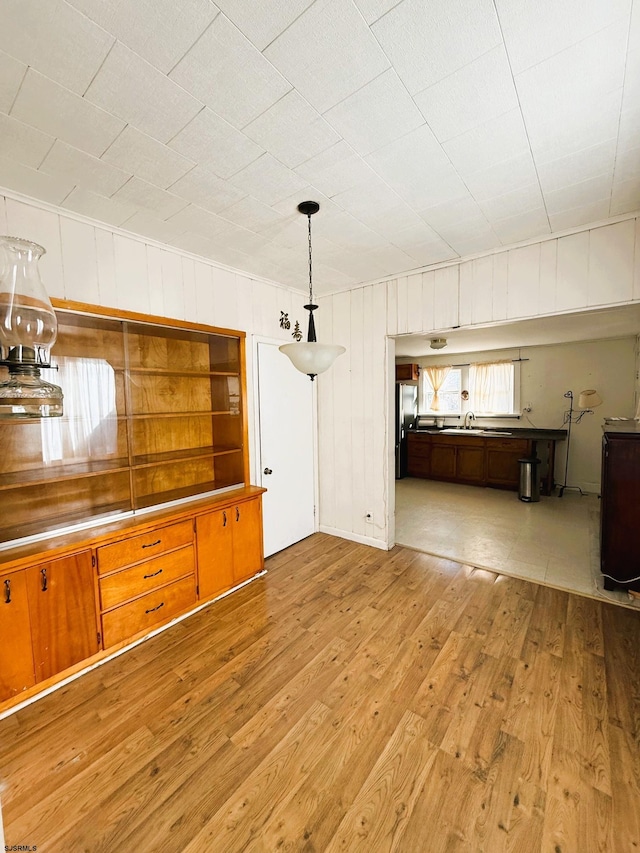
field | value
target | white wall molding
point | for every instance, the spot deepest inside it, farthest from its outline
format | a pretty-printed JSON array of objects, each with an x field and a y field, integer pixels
[{"x": 355, "y": 537}]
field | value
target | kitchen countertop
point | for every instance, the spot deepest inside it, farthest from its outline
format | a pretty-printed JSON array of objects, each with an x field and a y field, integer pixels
[{"x": 530, "y": 433}]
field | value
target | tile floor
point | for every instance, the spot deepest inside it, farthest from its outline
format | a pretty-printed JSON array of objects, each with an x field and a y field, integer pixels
[{"x": 554, "y": 541}]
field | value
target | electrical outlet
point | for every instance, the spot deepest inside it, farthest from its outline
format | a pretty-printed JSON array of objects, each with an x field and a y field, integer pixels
[
  {"x": 369, "y": 518},
  {"x": 527, "y": 408}
]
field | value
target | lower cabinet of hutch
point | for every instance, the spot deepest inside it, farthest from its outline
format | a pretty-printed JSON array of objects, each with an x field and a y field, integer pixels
[
  {"x": 146, "y": 580},
  {"x": 118, "y": 583},
  {"x": 229, "y": 547},
  {"x": 62, "y": 610},
  {"x": 16, "y": 656}
]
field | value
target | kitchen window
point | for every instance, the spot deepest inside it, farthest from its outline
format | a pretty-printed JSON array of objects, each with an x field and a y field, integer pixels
[{"x": 486, "y": 389}]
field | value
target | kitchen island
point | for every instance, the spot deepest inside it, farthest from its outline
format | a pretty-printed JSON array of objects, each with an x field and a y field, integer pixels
[{"x": 482, "y": 457}]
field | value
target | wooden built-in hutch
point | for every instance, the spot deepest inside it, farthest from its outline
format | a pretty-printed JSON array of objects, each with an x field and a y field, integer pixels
[{"x": 141, "y": 490}]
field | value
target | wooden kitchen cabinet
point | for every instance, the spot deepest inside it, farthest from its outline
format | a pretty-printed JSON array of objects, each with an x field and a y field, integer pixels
[
  {"x": 418, "y": 455},
  {"x": 229, "y": 547},
  {"x": 502, "y": 456},
  {"x": 470, "y": 462},
  {"x": 443, "y": 461},
  {"x": 62, "y": 613},
  {"x": 407, "y": 372},
  {"x": 16, "y": 657}
]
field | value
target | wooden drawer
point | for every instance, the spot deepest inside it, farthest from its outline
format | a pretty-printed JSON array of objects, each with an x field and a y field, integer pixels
[
  {"x": 459, "y": 441},
  {"x": 419, "y": 445},
  {"x": 138, "y": 548},
  {"x": 147, "y": 612},
  {"x": 144, "y": 577},
  {"x": 517, "y": 445},
  {"x": 419, "y": 467}
]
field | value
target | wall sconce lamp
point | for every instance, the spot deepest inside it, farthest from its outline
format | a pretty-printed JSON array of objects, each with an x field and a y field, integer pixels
[
  {"x": 587, "y": 402},
  {"x": 310, "y": 357},
  {"x": 28, "y": 329}
]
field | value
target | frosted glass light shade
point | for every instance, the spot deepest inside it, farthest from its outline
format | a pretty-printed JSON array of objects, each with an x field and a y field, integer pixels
[
  {"x": 589, "y": 399},
  {"x": 310, "y": 357}
]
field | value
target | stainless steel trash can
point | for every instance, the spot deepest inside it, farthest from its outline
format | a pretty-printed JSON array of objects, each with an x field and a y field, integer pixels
[{"x": 529, "y": 488}]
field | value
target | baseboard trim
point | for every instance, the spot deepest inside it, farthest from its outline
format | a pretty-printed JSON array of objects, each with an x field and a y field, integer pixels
[{"x": 355, "y": 537}]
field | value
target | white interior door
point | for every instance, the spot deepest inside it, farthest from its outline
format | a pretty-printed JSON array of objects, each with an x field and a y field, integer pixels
[{"x": 286, "y": 439}]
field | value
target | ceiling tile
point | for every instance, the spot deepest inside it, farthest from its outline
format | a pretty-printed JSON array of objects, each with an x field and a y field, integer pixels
[
  {"x": 267, "y": 180},
  {"x": 160, "y": 31},
  {"x": 584, "y": 215},
  {"x": 522, "y": 226},
  {"x": 428, "y": 252},
  {"x": 11, "y": 75},
  {"x": 215, "y": 144},
  {"x": 135, "y": 91},
  {"x": 149, "y": 197},
  {"x": 30, "y": 182},
  {"x": 535, "y": 30},
  {"x": 55, "y": 39},
  {"x": 344, "y": 230},
  {"x": 460, "y": 236},
  {"x": 82, "y": 169},
  {"x": 61, "y": 113},
  {"x": 567, "y": 88},
  {"x": 203, "y": 188},
  {"x": 98, "y": 207},
  {"x": 263, "y": 20},
  {"x": 629, "y": 132},
  {"x": 292, "y": 131},
  {"x": 625, "y": 197},
  {"x": 251, "y": 214},
  {"x": 452, "y": 212},
  {"x": 628, "y": 165},
  {"x": 502, "y": 178},
  {"x": 577, "y": 195},
  {"x": 631, "y": 95},
  {"x": 373, "y": 9},
  {"x": 487, "y": 144},
  {"x": 376, "y": 114},
  {"x": 145, "y": 223},
  {"x": 197, "y": 244},
  {"x": 197, "y": 221},
  {"x": 336, "y": 169},
  {"x": 23, "y": 143},
  {"x": 473, "y": 95},
  {"x": 226, "y": 72},
  {"x": 331, "y": 35},
  {"x": 512, "y": 203},
  {"x": 428, "y": 41},
  {"x": 578, "y": 166},
  {"x": 145, "y": 157}
]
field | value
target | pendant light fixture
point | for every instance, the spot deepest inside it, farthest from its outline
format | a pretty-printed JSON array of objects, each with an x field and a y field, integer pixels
[
  {"x": 310, "y": 357},
  {"x": 28, "y": 328}
]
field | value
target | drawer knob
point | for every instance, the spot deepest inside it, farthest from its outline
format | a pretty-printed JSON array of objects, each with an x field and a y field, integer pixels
[
  {"x": 7, "y": 592},
  {"x": 45, "y": 580},
  {"x": 151, "y": 609},
  {"x": 154, "y": 575},
  {"x": 151, "y": 544}
]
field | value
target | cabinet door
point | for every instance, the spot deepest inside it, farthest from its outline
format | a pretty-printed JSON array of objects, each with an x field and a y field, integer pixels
[
  {"x": 470, "y": 464},
  {"x": 247, "y": 539},
  {"x": 63, "y": 613},
  {"x": 16, "y": 659},
  {"x": 214, "y": 537},
  {"x": 443, "y": 461}
]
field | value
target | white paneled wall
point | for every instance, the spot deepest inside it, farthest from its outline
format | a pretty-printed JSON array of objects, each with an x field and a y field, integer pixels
[
  {"x": 597, "y": 267},
  {"x": 88, "y": 262}
]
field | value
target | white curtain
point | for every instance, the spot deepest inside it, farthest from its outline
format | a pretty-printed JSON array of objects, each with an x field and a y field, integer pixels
[
  {"x": 491, "y": 387},
  {"x": 89, "y": 428},
  {"x": 436, "y": 376}
]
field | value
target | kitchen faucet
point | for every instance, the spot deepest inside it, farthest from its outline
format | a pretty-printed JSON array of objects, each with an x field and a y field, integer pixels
[{"x": 469, "y": 416}]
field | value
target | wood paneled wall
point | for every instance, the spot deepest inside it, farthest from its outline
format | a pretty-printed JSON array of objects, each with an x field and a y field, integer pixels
[{"x": 594, "y": 268}]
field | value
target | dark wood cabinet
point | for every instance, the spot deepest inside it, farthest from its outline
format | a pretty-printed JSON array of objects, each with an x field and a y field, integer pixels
[
  {"x": 620, "y": 510},
  {"x": 407, "y": 372},
  {"x": 471, "y": 459}
]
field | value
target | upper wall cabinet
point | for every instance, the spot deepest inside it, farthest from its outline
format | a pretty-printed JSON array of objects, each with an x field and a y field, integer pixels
[{"x": 152, "y": 413}]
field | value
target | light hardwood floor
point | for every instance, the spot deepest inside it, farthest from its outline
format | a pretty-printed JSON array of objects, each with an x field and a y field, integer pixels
[{"x": 350, "y": 700}]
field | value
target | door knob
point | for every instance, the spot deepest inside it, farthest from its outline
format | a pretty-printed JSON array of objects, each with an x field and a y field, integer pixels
[{"x": 267, "y": 471}]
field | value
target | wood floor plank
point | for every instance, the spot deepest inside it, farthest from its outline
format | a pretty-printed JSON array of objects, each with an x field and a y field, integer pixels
[{"x": 349, "y": 699}]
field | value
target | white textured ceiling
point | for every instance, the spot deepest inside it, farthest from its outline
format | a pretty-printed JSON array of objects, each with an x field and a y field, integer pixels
[{"x": 426, "y": 129}]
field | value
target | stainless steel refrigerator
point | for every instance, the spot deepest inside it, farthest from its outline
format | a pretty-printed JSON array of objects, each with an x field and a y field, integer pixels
[{"x": 406, "y": 415}]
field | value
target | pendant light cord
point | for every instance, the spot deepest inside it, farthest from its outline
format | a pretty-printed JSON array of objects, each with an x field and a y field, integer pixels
[{"x": 310, "y": 276}]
